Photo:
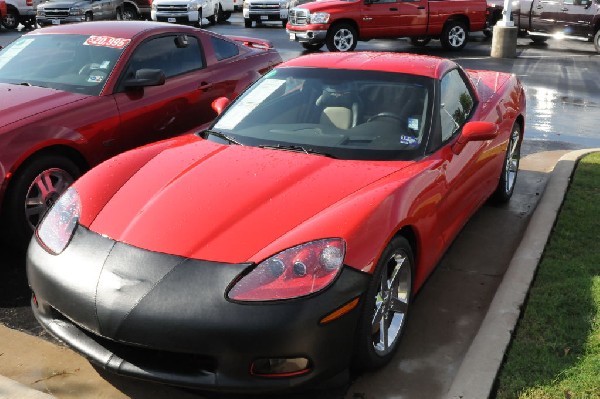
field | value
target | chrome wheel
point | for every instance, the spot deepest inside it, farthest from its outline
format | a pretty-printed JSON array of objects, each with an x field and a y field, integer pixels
[
  {"x": 391, "y": 302},
  {"x": 454, "y": 36},
  {"x": 457, "y": 36},
  {"x": 43, "y": 193},
  {"x": 343, "y": 40},
  {"x": 341, "y": 37},
  {"x": 513, "y": 156}
]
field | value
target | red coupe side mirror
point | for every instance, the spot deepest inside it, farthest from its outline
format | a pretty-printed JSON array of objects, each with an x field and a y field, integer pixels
[
  {"x": 219, "y": 104},
  {"x": 475, "y": 131}
]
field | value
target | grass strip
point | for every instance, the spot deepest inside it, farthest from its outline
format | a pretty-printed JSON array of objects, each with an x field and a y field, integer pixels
[{"x": 555, "y": 352}]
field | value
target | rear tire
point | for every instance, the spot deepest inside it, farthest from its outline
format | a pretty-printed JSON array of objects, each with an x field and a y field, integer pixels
[
  {"x": 33, "y": 190},
  {"x": 538, "y": 39},
  {"x": 385, "y": 309},
  {"x": 454, "y": 35},
  {"x": 11, "y": 19}
]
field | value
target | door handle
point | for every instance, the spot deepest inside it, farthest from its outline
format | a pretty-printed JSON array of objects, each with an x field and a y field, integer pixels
[
  {"x": 205, "y": 86},
  {"x": 393, "y": 9}
]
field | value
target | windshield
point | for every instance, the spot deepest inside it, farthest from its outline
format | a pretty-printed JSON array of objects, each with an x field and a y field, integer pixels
[
  {"x": 75, "y": 63},
  {"x": 344, "y": 114}
]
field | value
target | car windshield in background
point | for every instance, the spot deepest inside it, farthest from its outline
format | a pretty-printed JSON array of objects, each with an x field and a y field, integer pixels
[
  {"x": 75, "y": 63},
  {"x": 344, "y": 114}
]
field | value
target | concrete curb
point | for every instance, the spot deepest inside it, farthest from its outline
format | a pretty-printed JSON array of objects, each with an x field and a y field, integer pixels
[
  {"x": 10, "y": 389},
  {"x": 477, "y": 373}
]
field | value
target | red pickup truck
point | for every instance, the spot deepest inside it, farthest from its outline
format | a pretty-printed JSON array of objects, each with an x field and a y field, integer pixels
[{"x": 340, "y": 24}]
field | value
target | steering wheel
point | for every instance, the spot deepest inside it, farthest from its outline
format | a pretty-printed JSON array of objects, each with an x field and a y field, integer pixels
[{"x": 385, "y": 115}]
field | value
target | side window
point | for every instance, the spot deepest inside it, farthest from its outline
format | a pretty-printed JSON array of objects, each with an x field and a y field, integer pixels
[
  {"x": 174, "y": 55},
  {"x": 224, "y": 49},
  {"x": 456, "y": 104}
]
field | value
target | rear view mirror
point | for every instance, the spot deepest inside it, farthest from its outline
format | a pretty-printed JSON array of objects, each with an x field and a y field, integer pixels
[
  {"x": 220, "y": 104},
  {"x": 146, "y": 77}
]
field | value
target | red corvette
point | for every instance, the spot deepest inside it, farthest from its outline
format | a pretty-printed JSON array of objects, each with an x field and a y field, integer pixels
[
  {"x": 283, "y": 244},
  {"x": 74, "y": 95}
]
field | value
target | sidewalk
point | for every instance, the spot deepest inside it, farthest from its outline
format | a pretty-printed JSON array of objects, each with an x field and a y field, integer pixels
[{"x": 55, "y": 365}]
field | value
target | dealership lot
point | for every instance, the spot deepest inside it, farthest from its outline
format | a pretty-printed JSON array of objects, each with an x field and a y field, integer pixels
[{"x": 563, "y": 98}]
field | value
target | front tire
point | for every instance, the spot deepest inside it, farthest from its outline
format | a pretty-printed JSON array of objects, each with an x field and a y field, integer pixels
[
  {"x": 508, "y": 176},
  {"x": 454, "y": 35},
  {"x": 89, "y": 17},
  {"x": 130, "y": 14},
  {"x": 35, "y": 188},
  {"x": 341, "y": 37},
  {"x": 384, "y": 312},
  {"x": 247, "y": 23}
]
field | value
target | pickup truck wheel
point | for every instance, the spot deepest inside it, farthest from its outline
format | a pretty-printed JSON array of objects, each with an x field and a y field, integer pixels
[
  {"x": 34, "y": 190},
  {"x": 247, "y": 23},
  {"x": 421, "y": 41},
  {"x": 284, "y": 22},
  {"x": 597, "y": 41},
  {"x": 341, "y": 37},
  {"x": 89, "y": 16},
  {"x": 130, "y": 14},
  {"x": 313, "y": 46},
  {"x": 11, "y": 19},
  {"x": 454, "y": 35}
]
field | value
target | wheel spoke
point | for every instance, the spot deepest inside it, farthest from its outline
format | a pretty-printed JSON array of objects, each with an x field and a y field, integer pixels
[{"x": 397, "y": 305}]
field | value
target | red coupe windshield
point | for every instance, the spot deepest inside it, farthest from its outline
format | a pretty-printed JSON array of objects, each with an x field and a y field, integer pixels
[{"x": 345, "y": 114}]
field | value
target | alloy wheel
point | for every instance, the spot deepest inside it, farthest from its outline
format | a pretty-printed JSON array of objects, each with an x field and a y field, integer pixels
[{"x": 43, "y": 193}]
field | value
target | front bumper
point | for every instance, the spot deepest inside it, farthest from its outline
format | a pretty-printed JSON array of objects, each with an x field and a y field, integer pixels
[
  {"x": 177, "y": 17},
  {"x": 166, "y": 318},
  {"x": 266, "y": 15},
  {"x": 58, "y": 21},
  {"x": 307, "y": 36}
]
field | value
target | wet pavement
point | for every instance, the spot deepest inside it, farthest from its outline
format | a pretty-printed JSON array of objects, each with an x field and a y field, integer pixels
[{"x": 561, "y": 84}]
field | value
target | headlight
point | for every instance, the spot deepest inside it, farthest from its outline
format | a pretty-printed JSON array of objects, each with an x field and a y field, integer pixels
[
  {"x": 319, "y": 18},
  {"x": 283, "y": 4},
  {"x": 40, "y": 12},
  {"x": 57, "y": 227},
  {"x": 76, "y": 11},
  {"x": 193, "y": 6},
  {"x": 295, "y": 272}
]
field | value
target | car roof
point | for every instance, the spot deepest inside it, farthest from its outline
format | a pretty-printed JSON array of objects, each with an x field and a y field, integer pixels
[
  {"x": 121, "y": 29},
  {"x": 413, "y": 64}
]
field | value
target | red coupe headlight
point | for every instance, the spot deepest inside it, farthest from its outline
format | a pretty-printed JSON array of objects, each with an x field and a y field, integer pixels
[
  {"x": 57, "y": 227},
  {"x": 295, "y": 272}
]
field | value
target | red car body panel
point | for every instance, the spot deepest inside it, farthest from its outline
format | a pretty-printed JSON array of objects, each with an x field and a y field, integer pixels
[
  {"x": 93, "y": 128},
  {"x": 3, "y": 10},
  {"x": 198, "y": 199}
]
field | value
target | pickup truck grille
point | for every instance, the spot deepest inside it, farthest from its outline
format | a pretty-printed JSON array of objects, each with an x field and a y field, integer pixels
[
  {"x": 263, "y": 6},
  {"x": 56, "y": 13},
  {"x": 172, "y": 8},
  {"x": 298, "y": 16}
]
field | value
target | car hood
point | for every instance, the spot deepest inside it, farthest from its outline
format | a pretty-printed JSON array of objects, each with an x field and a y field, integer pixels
[
  {"x": 320, "y": 5},
  {"x": 63, "y": 4},
  {"x": 217, "y": 202},
  {"x": 19, "y": 102}
]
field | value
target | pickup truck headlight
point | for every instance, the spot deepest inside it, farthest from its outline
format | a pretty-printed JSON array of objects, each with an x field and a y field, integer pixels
[
  {"x": 284, "y": 3},
  {"x": 40, "y": 12},
  {"x": 76, "y": 11},
  {"x": 193, "y": 7},
  {"x": 319, "y": 18}
]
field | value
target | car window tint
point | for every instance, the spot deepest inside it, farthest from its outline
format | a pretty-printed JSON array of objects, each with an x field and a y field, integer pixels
[
  {"x": 172, "y": 54},
  {"x": 224, "y": 49},
  {"x": 456, "y": 103}
]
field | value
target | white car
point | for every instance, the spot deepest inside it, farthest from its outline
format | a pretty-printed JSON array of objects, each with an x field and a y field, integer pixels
[{"x": 191, "y": 11}]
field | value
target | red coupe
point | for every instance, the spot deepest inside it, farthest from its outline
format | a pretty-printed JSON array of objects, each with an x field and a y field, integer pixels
[
  {"x": 74, "y": 95},
  {"x": 284, "y": 243}
]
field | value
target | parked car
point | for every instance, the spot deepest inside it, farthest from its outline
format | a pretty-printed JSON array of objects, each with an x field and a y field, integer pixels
[
  {"x": 74, "y": 95},
  {"x": 340, "y": 25},
  {"x": 568, "y": 19},
  {"x": 285, "y": 242},
  {"x": 191, "y": 11},
  {"x": 57, "y": 12},
  {"x": 19, "y": 12}
]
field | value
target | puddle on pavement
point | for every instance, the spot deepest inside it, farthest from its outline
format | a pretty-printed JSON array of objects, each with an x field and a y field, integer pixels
[{"x": 554, "y": 116}]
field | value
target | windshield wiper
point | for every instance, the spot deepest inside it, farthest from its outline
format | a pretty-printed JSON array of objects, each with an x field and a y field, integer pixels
[
  {"x": 220, "y": 135},
  {"x": 295, "y": 148}
]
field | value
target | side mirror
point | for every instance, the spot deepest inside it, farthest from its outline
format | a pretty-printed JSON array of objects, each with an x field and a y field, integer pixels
[
  {"x": 146, "y": 77},
  {"x": 475, "y": 131},
  {"x": 220, "y": 104}
]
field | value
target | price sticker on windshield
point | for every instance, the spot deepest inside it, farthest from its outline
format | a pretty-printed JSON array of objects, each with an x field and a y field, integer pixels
[{"x": 107, "y": 41}]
